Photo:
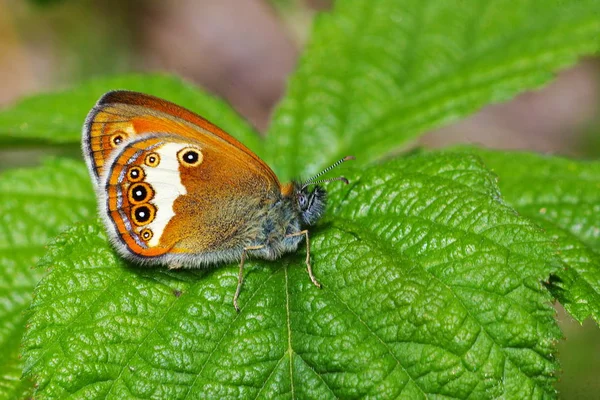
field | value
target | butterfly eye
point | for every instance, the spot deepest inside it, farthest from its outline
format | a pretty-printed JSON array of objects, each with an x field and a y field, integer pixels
[
  {"x": 302, "y": 200},
  {"x": 143, "y": 214},
  {"x": 140, "y": 193},
  {"x": 117, "y": 139},
  {"x": 146, "y": 234},
  {"x": 190, "y": 157},
  {"x": 152, "y": 160},
  {"x": 135, "y": 174}
]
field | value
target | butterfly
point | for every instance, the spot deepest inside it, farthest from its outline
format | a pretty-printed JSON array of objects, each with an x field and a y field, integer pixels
[{"x": 174, "y": 189}]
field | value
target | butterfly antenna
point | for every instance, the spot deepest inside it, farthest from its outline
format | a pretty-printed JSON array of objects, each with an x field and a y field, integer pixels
[{"x": 312, "y": 180}]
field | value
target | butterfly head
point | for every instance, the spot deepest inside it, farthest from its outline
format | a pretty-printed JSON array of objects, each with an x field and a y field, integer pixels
[
  {"x": 311, "y": 203},
  {"x": 311, "y": 198}
]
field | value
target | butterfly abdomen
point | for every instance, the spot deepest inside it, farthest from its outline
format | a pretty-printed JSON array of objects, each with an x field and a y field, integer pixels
[{"x": 278, "y": 220}]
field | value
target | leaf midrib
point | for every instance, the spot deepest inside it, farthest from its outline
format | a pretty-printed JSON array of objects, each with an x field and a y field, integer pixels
[
  {"x": 290, "y": 351},
  {"x": 226, "y": 331}
]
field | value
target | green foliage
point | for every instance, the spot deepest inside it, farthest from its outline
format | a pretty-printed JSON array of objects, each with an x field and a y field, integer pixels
[
  {"x": 423, "y": 294},
  {"x": 57, "y": 117},
  {"x": 35, "y": 205},
  {"x": 562, "y": 196},
  {"x": 377, "y": 76},
  {"x": 433, "y": 284}
]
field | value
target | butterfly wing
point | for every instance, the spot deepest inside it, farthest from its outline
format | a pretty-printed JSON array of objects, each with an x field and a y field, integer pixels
[
  {"x": 170, "y": 198},
  {"x": 121, "y": 115}
]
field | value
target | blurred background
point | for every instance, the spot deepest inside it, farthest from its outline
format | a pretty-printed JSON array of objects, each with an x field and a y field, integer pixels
[{"x": 243, "y": 51}]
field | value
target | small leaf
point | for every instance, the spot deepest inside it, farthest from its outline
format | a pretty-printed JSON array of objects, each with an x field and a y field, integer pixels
[
  {"x": 376, "y": 76},
  {"x": 562, "y": 196},
  {"x": 431, "y": 287},
  {"x": 35, "y": 204},
  {"x": 59, "y": 117}
]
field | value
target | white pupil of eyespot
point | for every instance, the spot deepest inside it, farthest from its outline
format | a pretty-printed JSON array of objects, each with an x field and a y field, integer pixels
[{"x": 142, "y": 214}]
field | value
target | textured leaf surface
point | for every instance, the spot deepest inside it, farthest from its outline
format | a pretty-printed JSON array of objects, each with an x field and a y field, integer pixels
[
  {"x": 58, "y": 117},
  {"x": 431, "y": 287},
  {"x": 376, "y": 76},
  {"x": 35, "y": 205},
  {"x": 563, "y": 196}
]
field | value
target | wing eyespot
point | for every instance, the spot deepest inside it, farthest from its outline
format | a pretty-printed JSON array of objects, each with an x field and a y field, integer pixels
[
  {"x": 143, "y": 214},
  {"x": 190, "y": 157},
  {"x": 146, "y": 234},
  {"x": 117, "y": 138},
  {"x": 135, "y": 174},
  {"x": 152, "y": 160},
  {"x": 140, "y": 192}
]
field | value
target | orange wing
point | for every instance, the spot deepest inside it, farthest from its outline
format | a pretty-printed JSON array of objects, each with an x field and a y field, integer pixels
[
  {"x": 159, "y": 203},
  {"x": 120, "y": 115}
]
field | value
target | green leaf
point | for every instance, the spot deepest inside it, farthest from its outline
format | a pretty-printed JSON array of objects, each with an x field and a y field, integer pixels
[
  {"x": 59, "y": 117},
  {"x": 376, "y": 76},
  {"x": 35, "y": 204},
  {"x": 11, "y": 384},
  {"x": 431, "y": 287},
  {"x": 563, "y": 196}
]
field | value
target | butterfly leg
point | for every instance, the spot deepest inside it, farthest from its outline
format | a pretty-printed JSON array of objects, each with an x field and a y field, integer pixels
[
  {"x": 310, "y": 272},
  {"x": 241, "y": 274}
]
